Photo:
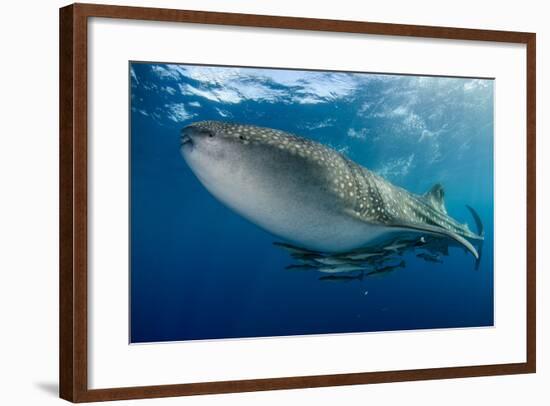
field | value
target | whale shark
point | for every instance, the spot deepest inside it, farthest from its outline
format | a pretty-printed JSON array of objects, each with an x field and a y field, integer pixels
[{"x": 313, "y": 197}]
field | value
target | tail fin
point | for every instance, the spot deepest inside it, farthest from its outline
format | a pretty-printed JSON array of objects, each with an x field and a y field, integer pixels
[{"x": 480, "y": 232}]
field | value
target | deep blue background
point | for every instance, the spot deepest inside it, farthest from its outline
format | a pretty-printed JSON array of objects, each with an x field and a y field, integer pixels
[{"x": 200, "y": 271}]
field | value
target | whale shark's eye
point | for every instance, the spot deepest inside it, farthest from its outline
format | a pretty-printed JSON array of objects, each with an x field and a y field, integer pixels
[
  {"x": 210, "y": 134},
  {"x": 242, "y": 137}
]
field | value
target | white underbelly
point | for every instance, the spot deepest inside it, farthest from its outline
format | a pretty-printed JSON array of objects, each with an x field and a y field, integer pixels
[
  {"x": 336, "y": 234},
  {"x": 304, "y": 223},
  {"x": 298, "y": 216}
]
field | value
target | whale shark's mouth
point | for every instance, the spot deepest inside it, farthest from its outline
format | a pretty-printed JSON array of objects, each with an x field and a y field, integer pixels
[
  {"x": 186, "y": 140},
  {"x": 186, "y": 144}
]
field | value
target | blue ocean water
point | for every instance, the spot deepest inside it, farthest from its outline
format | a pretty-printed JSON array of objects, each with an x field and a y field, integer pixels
[{"x": 200, "y": 271}]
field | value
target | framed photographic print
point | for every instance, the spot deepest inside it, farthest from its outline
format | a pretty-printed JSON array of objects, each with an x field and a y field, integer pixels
[{"x": 240, "y": 214}]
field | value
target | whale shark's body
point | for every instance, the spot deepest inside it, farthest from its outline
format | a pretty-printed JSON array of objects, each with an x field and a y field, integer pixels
[{"x": 311, "y": 195}]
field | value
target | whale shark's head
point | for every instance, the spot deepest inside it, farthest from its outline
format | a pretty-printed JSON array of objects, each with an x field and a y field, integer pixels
[
  {"x": 230, "y": 159},
  {"x": 217, "y": 151},
  {"x": 208, "y": 142}
]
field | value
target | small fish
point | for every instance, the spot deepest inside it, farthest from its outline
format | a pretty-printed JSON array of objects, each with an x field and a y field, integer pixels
[
  {"x": 341, "y": 268},
  {"x": 364, "y": 255},
  {"x": 398, "y": 246},
  {"x": 430, "y": 258},
  {"x": 335, "y": 261},
  {"x": 387, "y": 269}
]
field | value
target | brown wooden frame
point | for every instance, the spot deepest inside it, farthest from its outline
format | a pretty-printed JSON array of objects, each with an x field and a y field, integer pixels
[{"x": 73, "y": 360}]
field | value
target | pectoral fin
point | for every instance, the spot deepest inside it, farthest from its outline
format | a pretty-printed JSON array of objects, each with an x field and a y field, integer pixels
[{"x": 433, "y": 230}]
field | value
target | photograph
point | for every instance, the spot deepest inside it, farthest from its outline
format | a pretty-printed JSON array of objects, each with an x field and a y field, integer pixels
[
  {"x": 269, "y": 203},
  {"x": 284, "y": 202}
]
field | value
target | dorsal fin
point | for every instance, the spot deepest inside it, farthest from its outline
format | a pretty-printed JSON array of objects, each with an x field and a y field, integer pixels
[{"x": 436, "y": 197}]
